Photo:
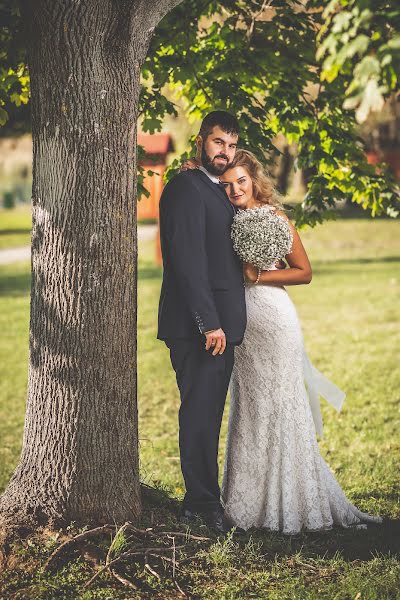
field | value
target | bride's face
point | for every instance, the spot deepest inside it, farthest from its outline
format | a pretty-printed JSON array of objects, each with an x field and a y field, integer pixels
[{"x": 239, "y": 187}]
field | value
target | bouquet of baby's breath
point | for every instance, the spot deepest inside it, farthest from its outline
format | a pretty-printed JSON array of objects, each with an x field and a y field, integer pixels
[{"x": 261, "y": 237}]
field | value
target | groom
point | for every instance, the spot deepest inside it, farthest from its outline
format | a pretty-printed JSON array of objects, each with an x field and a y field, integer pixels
[{"x": 202, "y": 311}]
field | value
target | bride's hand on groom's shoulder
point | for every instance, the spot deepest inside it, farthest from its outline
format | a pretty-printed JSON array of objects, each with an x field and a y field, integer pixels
[{"x": 191, "y": 163}]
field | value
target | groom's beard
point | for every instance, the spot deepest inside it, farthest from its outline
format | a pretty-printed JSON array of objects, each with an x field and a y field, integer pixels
[{"x": 212, "y": 168}]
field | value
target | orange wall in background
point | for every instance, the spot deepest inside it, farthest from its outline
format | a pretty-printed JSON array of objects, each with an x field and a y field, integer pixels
[
  {"x": 156, "y": 147},
  {"x": 392, "y": 158},
  {"x": 147, "y": 208}
]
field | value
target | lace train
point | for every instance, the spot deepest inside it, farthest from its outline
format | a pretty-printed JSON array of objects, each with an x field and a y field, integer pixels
[{"x": 274, "y": 475}]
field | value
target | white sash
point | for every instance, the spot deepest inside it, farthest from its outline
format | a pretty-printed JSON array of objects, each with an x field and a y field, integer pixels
[{"x": 318, "y": 385}]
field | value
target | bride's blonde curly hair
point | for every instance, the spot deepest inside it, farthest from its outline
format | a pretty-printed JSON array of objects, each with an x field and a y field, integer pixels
[{"x": 263, "y": 188}]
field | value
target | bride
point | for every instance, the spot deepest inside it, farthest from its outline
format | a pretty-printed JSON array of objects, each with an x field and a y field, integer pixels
[{"x": 275, "y": 477}]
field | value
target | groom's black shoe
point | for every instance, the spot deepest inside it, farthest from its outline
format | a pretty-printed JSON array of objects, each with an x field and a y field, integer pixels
[
  {"x": 215, "y": 519},
  {"x": 190, "y": 515}
]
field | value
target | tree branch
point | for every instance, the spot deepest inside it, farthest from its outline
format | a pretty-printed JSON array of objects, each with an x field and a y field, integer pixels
[
  {"x": 148, "y": 13},
  {"x": 75, "y": 540}
]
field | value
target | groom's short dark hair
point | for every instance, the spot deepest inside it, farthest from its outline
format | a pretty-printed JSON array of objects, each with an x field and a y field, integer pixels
[{"x": 220, "y": 118}]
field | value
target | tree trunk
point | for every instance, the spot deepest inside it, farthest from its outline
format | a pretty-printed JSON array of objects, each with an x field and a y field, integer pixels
[
  {"x": 285, "y": 167},
  {"x": 79, "y": 459}
]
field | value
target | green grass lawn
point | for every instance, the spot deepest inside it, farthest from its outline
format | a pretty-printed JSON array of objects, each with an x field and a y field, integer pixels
[
  {"x": 15, "y": 227},
  {"x": 350, "y": 315}
]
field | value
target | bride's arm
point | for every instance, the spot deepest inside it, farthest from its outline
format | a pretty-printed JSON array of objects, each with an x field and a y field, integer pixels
[{"x": 299, "y": 271}]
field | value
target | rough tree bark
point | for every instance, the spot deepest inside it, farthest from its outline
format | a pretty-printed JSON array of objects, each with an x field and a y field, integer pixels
[{"x": 79, "y": 459}]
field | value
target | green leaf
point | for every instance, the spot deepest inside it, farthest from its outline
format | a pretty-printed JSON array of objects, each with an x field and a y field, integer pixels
[{"x": 3, "y": 116}]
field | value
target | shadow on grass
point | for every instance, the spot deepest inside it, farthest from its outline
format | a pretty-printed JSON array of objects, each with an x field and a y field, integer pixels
[
  {"x": 352, "y": 544},
  {"x": 5, "y": 232},
  {"x": 15, "y": 285},
  {"x": 149, "y": 272},
  {"x": 203, "y": 560},
  {"x": 327, "y": 266},
  {"x": 362, "y": 261},
  {"x": 377, "y": 495}
]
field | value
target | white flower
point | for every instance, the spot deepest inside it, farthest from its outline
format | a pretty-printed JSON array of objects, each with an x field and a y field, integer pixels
[{"x": 261, "y": 237}]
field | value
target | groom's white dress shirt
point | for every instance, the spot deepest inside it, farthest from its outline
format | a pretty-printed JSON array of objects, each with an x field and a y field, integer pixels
[{"x": 213, "y": 178}]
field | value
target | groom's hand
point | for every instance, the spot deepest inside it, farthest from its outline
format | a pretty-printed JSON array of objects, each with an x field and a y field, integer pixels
[{"x": 216, "y": 339}]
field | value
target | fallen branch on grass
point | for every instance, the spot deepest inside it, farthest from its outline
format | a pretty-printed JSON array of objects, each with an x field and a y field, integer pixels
[
  {"x": 75, "y": 540},
  {"x": 146, "y": 553},
  {"x": 109, "y": 565},
  {"x": 123, "y": 580},
  {"x": 162, "y": 544},
  {"x": 140, "y": 552},
  {"x": 183, "y": 534}
]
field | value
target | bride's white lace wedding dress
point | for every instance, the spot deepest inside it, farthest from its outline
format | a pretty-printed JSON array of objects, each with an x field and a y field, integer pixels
[{"x": 275, "y": 477}]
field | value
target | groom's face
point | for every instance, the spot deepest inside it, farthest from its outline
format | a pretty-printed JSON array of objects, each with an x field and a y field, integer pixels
[{"x": 217, "y": 150}]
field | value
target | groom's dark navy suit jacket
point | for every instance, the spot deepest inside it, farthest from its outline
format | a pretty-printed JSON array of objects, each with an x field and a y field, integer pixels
[
  {"x": 202, "y": 285},
  {"x": 202, "y": 289}
]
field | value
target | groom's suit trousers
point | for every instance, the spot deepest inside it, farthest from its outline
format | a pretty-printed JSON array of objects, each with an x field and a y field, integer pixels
[{"x": 203, "y": 382}]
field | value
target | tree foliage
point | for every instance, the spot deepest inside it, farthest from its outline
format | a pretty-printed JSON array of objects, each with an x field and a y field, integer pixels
[
  {"x": 260, "y": 61},
  {"x": 290, "y": 68},
  {"x": 14, "y": 77},
  {"x": 361, "y": 39}
]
